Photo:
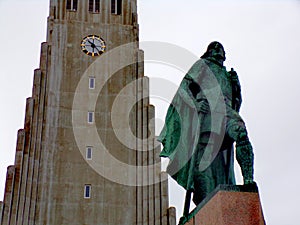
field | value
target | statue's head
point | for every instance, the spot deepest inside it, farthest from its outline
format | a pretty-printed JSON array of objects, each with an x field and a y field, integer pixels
[{"x": 215, "y": 50}]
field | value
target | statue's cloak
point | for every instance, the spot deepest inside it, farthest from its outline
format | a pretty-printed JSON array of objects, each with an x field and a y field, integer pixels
[{"x": 181, "y": 134}]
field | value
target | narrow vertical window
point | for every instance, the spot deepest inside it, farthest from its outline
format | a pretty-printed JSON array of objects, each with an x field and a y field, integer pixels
[
  {"x": 97, "y": 6},
  {"x": 90, "y": 117},
  {"x": 69, "y": 4},
  {"x": 94, "y": 6},
  {"x": 116, "y": 7},
  {"x": 92, "y": 82},
  {"x": 89, "y": 152},
  {"x": 72, "y": 5},
  {"x": 87, "y": 191},
  {"x": 113, "y": 6}
]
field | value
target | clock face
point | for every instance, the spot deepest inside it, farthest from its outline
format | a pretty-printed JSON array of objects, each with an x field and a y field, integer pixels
[{"x": 93, "y": 45}]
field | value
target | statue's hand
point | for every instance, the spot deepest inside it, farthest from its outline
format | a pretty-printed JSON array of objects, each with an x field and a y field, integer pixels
[{"x": 203, "y": 106}]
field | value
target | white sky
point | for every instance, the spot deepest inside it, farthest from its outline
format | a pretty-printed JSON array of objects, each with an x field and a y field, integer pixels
[{"x": 261, "y": 39}]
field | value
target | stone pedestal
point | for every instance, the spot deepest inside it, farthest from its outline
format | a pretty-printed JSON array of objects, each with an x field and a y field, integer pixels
[{"x": 228, "y": 205}]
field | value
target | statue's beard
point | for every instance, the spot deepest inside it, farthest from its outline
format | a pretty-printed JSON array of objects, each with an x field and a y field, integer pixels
[{"x": 219, "y": 57}]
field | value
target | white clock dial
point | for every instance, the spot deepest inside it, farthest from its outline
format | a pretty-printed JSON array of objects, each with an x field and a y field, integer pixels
[{"x": 93, "y": 45}]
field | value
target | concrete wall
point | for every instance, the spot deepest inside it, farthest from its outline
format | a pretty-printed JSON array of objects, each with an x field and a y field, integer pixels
[{"x": 46, "y": 184}]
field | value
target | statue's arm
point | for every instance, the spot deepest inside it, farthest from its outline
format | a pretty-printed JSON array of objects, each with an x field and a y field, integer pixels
[
  {"x": 238, "y": 97},
  {"x": 187, "y": 91},
  {"x": 190, "y": 90},
  {"x": 236, "y": 90}
]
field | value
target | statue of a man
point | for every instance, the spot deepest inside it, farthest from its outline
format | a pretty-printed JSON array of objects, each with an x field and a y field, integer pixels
[{"x": 202, "y": 124}]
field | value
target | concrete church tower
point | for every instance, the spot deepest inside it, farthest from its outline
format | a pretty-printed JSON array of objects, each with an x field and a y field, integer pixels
[{"x": 87, "y": 154}]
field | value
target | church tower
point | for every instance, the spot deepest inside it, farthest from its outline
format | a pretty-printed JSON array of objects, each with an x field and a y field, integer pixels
[{"x": 87, "y": 154}]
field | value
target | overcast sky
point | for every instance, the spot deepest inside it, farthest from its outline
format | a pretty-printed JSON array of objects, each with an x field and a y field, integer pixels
[{"x": 261, "y": 40}]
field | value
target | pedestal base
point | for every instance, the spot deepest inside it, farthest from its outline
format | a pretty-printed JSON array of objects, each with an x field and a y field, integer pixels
[{"x": 229, "y": 205}]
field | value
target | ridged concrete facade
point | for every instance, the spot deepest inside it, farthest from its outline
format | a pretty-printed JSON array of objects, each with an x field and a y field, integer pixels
[{"x": 46, "y": 183}]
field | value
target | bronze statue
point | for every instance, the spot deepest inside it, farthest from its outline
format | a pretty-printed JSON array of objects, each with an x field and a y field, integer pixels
[{"x": 202, "y": 124}]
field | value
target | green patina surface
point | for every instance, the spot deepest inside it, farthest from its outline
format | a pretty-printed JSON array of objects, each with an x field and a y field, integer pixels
[{"x": 201, "y": 126}]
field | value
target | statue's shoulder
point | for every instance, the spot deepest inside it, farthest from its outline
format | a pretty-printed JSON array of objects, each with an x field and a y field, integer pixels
[
  {"x": 196, "y": 69},
  {"x": 197, "y": 66},
  {"x": 200, "y": 62}
]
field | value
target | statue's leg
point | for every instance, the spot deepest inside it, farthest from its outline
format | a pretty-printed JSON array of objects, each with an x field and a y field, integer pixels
[
  {"x": 236, "y": 129},
  {"x": 203, "y": 182},
  {"x": 209, "y": 166},
  {"x": 245, "y": 157}
]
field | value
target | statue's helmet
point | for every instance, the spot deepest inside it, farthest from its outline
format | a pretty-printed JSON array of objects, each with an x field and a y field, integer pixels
[{"x": 213, "y": 47}]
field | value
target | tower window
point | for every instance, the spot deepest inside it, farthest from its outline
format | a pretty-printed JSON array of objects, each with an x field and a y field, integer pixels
[
  {"x": 89, "y": 152},
  {"x": 116, "y": 7},
  {"x": 72, "y": 5},
  {"x": 87, "y": 191},
  {"x": 92, "y": 82},
  {"x": 90, "y": 117},
  {"x": 94, "y": 6}
]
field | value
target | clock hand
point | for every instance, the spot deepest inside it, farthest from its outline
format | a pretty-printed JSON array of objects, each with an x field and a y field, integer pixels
[
  {"x": 92, "y": 44},
  {"x": 97, "y": 49}
]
